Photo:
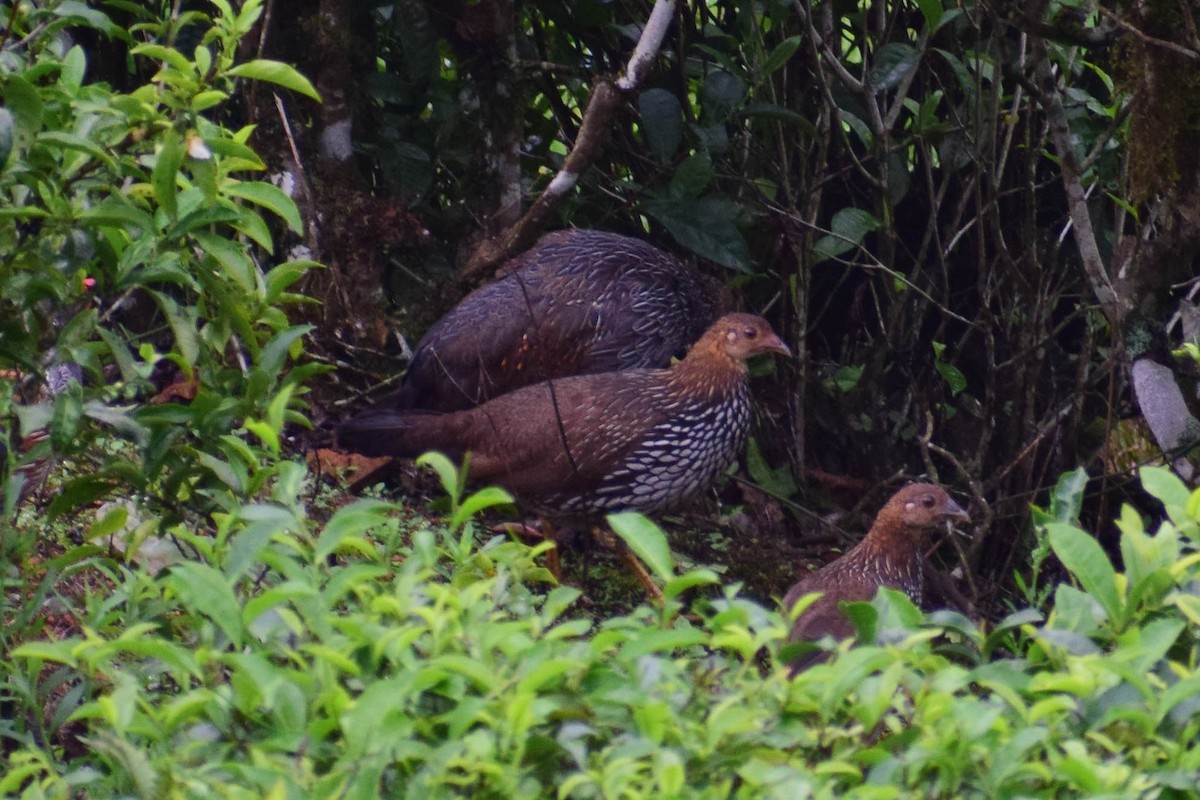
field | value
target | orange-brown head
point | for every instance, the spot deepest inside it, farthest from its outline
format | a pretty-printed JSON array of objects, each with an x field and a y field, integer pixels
[
  {"x": 917, "y": 508},
  {"x": 742, "y": 336},
  {"x": 717, "y": 361},
  {"x": 890, "y": 555},
  {"x": 924, "y": 505}
]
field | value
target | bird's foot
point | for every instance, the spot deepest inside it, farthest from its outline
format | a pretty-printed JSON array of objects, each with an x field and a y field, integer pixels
[{"x": 608, "y": 540}]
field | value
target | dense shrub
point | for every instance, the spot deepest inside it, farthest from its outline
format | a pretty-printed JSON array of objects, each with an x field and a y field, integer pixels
[
  {"x": 229, "y": 644},
  {"x": 423, "y": 665},
  {"x": 134, "y": 244}
]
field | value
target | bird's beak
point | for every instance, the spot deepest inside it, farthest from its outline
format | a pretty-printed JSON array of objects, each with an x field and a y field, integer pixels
[
  {"x": 773, "y": 344},
  {"x": 953, "y": 511}
]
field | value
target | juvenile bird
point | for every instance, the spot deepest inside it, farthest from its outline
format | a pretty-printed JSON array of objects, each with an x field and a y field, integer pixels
[
  {"x": 578, "y": 302},
  {"x": 890, "y": 555},
  {"x": 635, "y": 440}
]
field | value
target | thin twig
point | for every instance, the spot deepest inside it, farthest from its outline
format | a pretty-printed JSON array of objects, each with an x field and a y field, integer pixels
[{"x": 1147, "y": 38}]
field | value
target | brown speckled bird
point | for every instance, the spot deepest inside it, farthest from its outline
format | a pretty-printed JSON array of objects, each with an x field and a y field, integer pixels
[
  {"x": 636, "y": 440},
  {"x": 35, "y": 469},
  {"x": 578, "y": 302},
  {"x": 889, "y": 555}
]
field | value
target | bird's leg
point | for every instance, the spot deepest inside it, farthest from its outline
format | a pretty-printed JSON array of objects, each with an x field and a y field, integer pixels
[{"x": 606, "y": 539}]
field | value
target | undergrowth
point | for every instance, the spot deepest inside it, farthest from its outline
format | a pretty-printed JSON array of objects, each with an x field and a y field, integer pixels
[{"x": 354, "y": 659}]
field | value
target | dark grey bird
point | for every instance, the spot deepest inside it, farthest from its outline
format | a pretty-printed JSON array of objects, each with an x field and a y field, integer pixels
[{"x": 578, "y": 302}]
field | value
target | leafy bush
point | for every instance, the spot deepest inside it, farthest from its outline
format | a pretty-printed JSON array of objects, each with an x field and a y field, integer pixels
[
  {"x": 424, "y": 665},
  {"x": 371, "y": 655},
  {"x": 133, "y": 244}
]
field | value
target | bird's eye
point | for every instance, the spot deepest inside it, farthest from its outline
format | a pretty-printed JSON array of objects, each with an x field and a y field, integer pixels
[
  {"x": 928, "y": 501},
  {"x": 750, "y": 333}
]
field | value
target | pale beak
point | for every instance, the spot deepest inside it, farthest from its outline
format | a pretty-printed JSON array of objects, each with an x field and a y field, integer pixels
[
  {"x": 773, "y": 344},
  {"x": 953, "y": 511}
]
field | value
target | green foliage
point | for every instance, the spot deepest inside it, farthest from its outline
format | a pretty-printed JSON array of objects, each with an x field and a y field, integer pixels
[
  {"x": 209, "y": 636},
  {"x": 136, "y": 243},
  {"x": 421, "y": 665},
  {"x": 1066, "y": 500}
]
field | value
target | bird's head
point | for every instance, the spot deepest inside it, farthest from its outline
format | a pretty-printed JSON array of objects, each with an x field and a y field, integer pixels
[
  {"x": 922, "y": 506},
  {"x": 741, "y": 336}
]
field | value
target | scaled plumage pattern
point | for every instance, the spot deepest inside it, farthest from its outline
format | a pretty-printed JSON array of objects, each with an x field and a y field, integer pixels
[
  {"x": 34, "y": 470},
  {"x": 889, "y": 555},
  {"x": 635, "y": 440},
  {"x": 578, "y": 302}
]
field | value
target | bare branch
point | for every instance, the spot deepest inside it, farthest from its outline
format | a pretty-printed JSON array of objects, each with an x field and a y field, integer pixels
[
  {"x": 606, "y": 98},
  {"x": 1045, "y": 89}
]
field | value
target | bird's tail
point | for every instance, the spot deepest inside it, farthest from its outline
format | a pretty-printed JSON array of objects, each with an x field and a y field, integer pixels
[{"x": 384, "y": 432}]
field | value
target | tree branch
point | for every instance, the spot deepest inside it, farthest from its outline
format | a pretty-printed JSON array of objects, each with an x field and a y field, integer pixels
[{"x": 607, "y": 96}]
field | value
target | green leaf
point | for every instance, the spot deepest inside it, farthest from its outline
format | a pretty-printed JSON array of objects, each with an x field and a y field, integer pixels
[
  {"x": 118, "y": 212},
  {"x": 83, "y": 12},
  {"x": 282, "y": 276},
  {"x": 200, "y": 219},
  {"x": 1165, "y": 486},
  {"x": 952, "y": 376},
  {"x": 275, "y": 352},
  {"x": 24, "y": 101},
  {"x": 781, "y": 114},
  {"x": 121, "y": 354},
  {"x": 54, "y": 652},
  {"x": 646, "y": 540},
  {"x": 892, "y": 62},
  {"x": 1147, "y": 559},
  {"x": 692, "y": 176},
  {"x": 278, "y": 73},
  {"x": 777, "y": 482},
  {"x": 182, "y": 325},
  {"x": 864, "y": 616},
  {"x": 1067, "y": 498},
  {"x": 350, "y": 521},
  {"x": 69, "y": 141},
  {"x": 132, "y": 760},
  {"x": 208, "y": 99},
  {"x": 233, "y": 149},
  {"x": 721, "y": 93},
  {"x": 166, "y": 169},
  {"x": 205, "y": 591},
  {"x": 168, "y": 55},
  {"x": 479, "y": 673},
  {"x": 118, "y": 418},
  {"x": 446, "y": 471},
  {"x": 966, "y": 80},
  {"x": 271, "y": 198},
  {"x": 1083, "y": 556},
  {"x": 655, "y": 641},
  {"x": 235, "y": 261},
  {"x": 782, "y": 53},
  {"x": 932, "y": 11},
  {"x": 265, "y": 434},
  {"x": 849, "y": 226},
  {"x": 68, "y": 415},
  {"x": 846, "y": 377},
  {"x": 80, "y": 492},
  {"x": 7, "y": 133},
  {"x": 689, "y": 580},
  {"x": 549, "y": 671},
  {"x": 706, "y": 226},
  {"x": 113, "y": 521},
  {"x": 488, "y": 497},
  {"x": 662, "y": 122}
]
